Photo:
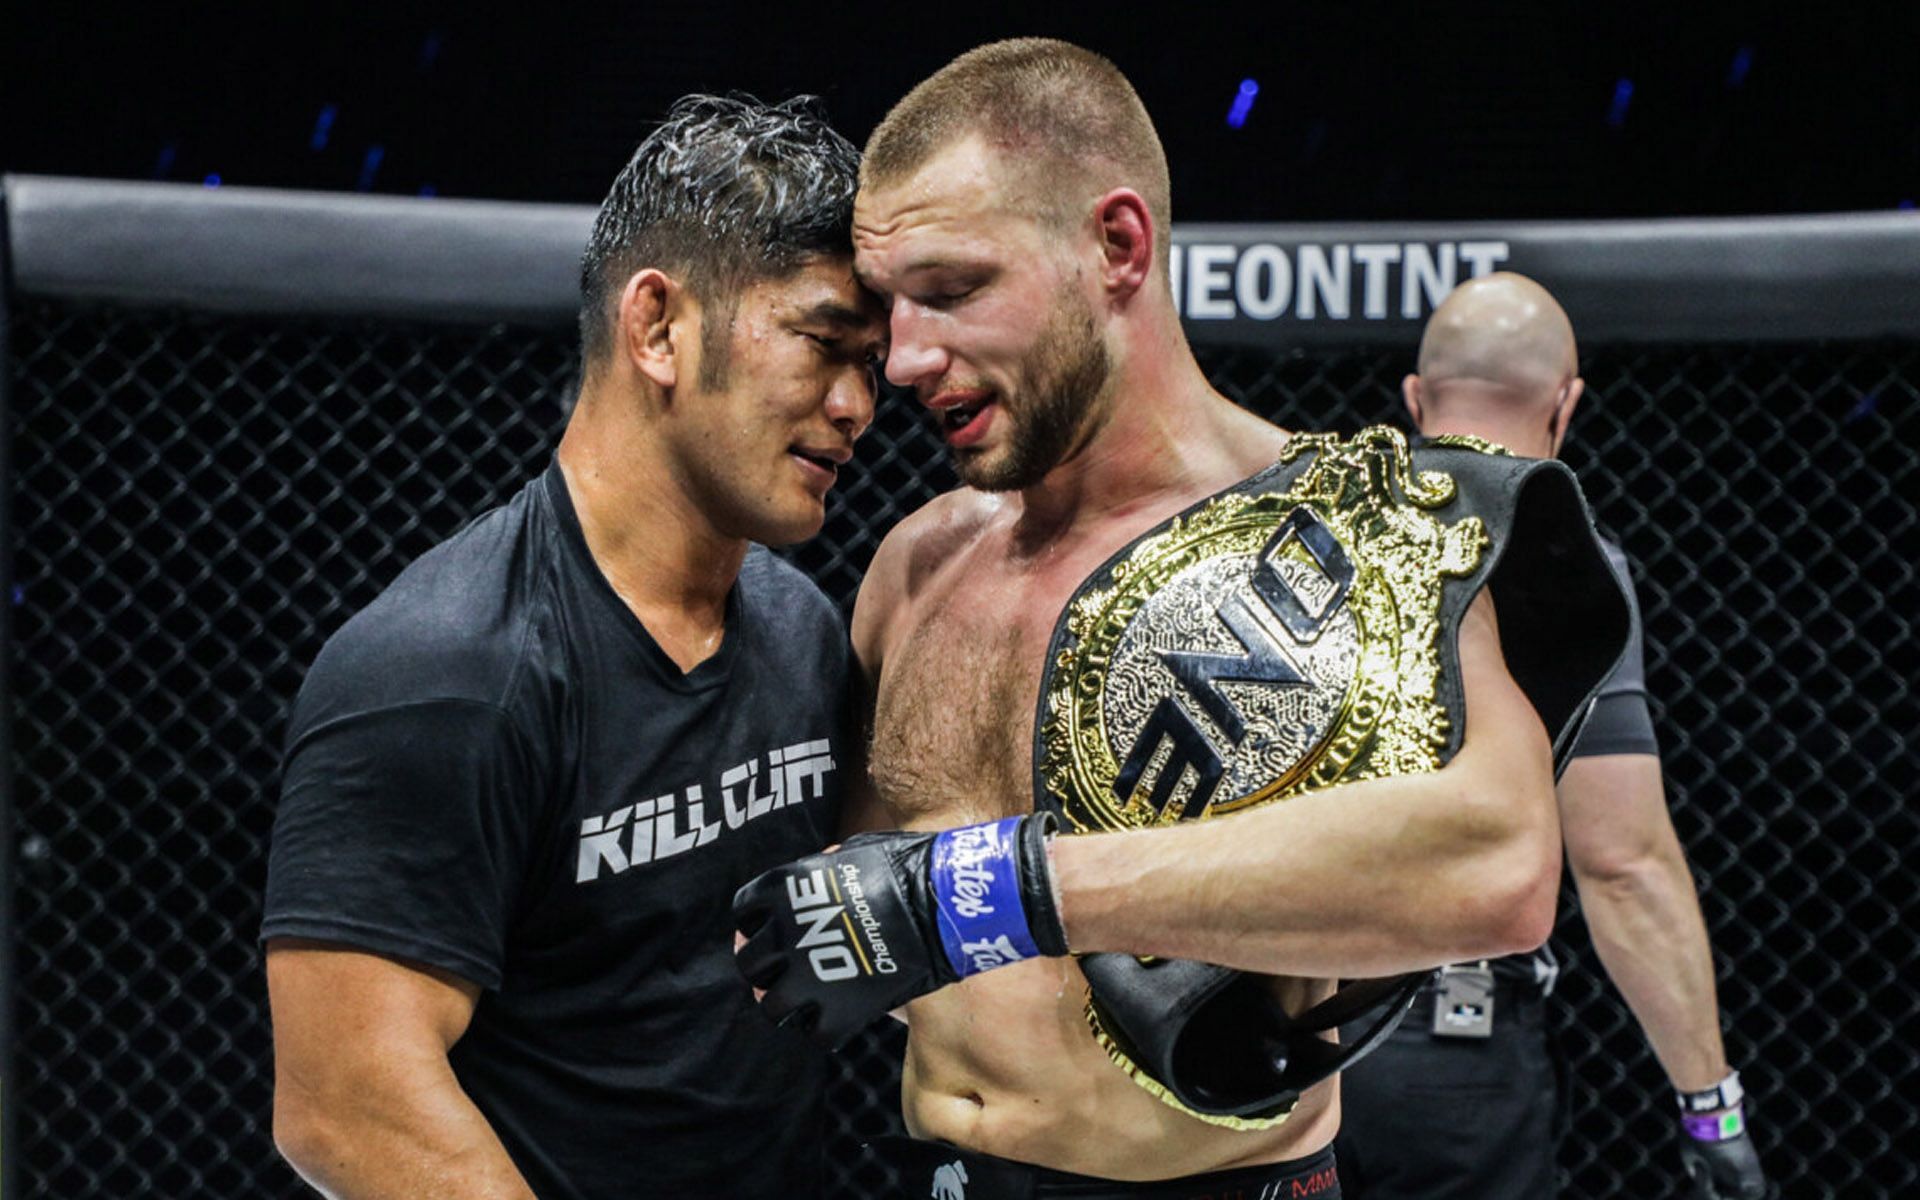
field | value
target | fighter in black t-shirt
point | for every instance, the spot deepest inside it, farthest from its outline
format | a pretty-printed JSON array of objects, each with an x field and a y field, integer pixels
[{"x": 523, "y": 785}]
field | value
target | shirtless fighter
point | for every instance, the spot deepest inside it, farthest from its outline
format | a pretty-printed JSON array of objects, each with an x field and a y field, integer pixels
[{"x": 1013, "y": 212}]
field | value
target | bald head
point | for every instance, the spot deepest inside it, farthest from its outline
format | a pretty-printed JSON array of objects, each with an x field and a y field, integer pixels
[
  {"x": 1502, "y": 329},
  {"x": 1498, "y": 361}
]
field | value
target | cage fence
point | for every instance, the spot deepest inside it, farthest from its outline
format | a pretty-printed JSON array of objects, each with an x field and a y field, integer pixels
[{"x": 199, "y": 501}]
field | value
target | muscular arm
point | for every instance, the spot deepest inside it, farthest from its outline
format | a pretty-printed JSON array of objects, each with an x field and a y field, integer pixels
[
  {"x": 365, "y": 1105},
  {"x": 1368, "y": 879},
  {"x": 1639, "y": 901}
]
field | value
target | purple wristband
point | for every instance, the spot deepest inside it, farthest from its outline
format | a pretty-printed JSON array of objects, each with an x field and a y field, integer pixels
[
  {"x": 976, "y": 896},
  {"x": 1715, "y": 1127}
]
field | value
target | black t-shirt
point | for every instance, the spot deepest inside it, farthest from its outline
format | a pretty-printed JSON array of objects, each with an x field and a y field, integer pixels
[
  {"x": 1620, "y": 722},
  {"x": 493, "y": 769}
]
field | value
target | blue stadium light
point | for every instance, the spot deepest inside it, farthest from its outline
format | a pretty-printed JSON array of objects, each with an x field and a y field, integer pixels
[
  {"x": 212, "y": 181},
  {"x": 1242, "y": 103},
  {"x": 430, "y": 49},
  {"x": 427, "y": 189},
  {"x": 370, "y": 166},
  {"x": 163, "y": 161},
  {"x": 1906, "y": 204},
  {"x": 1864, "y": 409},
  {"x": 19, "y": 595},
  {"x": 1622, "y": 98},
  {"x": 323, "y": 126},
  {"x": 1738, "y": 68}
]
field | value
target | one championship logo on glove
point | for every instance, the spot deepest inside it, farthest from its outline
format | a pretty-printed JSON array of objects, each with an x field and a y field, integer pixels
[{"x": 838, "y": 931}]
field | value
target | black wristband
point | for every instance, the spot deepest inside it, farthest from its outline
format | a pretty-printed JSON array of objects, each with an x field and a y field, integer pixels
[{"x": 1036, "y": 873}]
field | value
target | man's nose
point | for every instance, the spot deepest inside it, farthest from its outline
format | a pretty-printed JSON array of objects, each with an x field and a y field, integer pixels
[
  {"x": 914, "y": 355},
  {"x": 850, "y": 401}
]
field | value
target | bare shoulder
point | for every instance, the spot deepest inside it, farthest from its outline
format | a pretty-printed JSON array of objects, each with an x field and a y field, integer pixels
[
  {"x": 1249, "y": 440},
  {"x": 909, "y": 556}
]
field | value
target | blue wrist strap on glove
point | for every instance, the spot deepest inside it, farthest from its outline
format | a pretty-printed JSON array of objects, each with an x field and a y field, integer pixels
[{"x": 976, "y": 893}]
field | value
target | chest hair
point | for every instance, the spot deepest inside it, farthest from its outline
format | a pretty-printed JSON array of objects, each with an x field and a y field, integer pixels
[{"x": 953, "y": 726}]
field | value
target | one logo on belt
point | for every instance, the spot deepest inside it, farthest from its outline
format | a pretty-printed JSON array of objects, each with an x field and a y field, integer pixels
[{"x": 1263, "y": 623}]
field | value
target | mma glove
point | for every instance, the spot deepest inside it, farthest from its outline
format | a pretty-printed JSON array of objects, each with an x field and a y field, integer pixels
[
  {"x": 839, "y": 938},
  {"x": 1715, "y": 1148}
]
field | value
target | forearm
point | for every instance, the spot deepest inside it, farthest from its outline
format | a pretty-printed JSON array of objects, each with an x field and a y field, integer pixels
[
  {"x": 1365, "y": 879},
  {"x": 1361, "y": 880},
  {"x": 1642, "y": 911},
  {"x": 1370, "y": 879},
  {"x": 401, "y": 1139},
  {"x": 1647, "y": 929}
]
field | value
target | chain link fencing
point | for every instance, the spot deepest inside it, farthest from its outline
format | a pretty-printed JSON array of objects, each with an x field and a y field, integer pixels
[{"x": 199, "y": 502}]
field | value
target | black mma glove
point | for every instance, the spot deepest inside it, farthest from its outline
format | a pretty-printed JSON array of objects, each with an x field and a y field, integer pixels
[
  {"x": 1715, "y": 1149},
  {"x": 837, "y": 939}
]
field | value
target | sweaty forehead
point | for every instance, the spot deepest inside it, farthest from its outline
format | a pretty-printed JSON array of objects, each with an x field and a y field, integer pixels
[
  {"x": 959, "y": 204},
  {"x": 822, "y": 288},
  {"x": 965, "y": 164}
]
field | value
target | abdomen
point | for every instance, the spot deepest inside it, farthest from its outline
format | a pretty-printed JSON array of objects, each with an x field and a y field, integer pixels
[{"x": 1004, "y": 1064}]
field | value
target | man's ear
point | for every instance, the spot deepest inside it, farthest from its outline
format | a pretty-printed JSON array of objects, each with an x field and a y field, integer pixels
[
  {"x": 1410, "y": 391},
  {"x": 1563, "y": 411},
  {"x": 650, "y": 306},
  {"x": 1127, "y": 235}
]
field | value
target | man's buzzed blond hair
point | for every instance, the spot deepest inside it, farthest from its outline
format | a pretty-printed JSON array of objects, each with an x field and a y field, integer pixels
[{"x": 1057, "y": 111}]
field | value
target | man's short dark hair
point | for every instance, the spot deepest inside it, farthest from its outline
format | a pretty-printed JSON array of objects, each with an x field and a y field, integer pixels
[{"x": 726, "y": 192}]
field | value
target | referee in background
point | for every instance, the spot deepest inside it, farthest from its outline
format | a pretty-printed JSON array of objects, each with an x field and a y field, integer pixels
[{"x": 1467, "y": 1098}]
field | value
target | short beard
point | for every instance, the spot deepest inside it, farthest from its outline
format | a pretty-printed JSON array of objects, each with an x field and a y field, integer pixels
[{"x": 1061, "y": 380}]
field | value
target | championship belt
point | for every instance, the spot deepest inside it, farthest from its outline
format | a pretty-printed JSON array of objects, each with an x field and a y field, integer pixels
[{"x": 1290, "y": 633}]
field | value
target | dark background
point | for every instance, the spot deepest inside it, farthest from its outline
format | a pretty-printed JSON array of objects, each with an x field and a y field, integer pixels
[
  {"x": 197, "y": 501},
  {"x": 1365, "y": 110}
]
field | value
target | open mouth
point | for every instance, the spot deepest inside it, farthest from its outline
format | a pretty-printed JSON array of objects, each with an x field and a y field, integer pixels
[
  {"x": 959, "y": 417},
  {"x": 817, "y": 462}
]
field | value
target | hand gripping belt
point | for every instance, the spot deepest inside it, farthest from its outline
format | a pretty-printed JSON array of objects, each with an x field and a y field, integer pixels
[{"x": 1296, "y": 631}]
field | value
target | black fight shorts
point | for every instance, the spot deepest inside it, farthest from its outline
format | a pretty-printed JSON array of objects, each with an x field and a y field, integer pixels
[{"x": 943, "y": 1172}]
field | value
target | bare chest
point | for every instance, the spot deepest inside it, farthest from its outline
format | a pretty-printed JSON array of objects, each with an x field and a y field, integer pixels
[{"x": 954, "y": 712}]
